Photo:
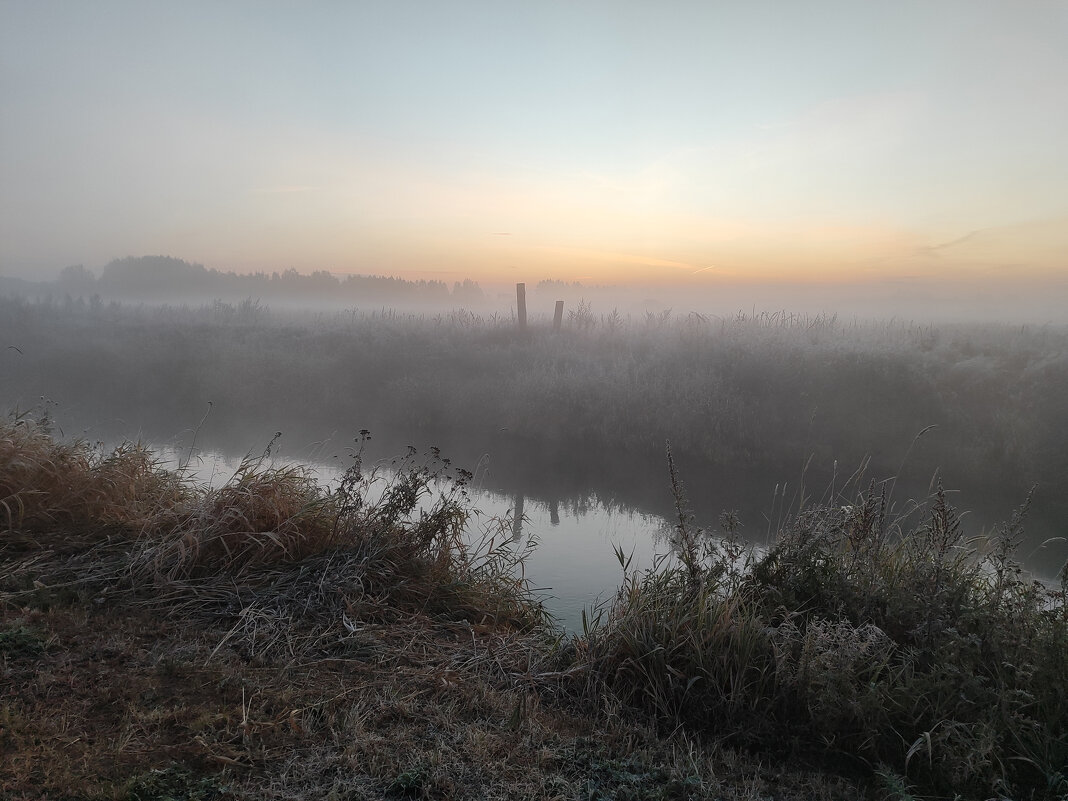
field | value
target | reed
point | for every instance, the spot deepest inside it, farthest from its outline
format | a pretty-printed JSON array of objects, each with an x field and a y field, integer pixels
[
  {"x": 45, "y": 483},
  {"x": 908, "y": 651}
]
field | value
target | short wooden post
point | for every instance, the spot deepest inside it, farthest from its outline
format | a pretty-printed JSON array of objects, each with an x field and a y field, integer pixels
[
  {"x": 558, "y": 316},
  {"x": 521, "y": 305}
]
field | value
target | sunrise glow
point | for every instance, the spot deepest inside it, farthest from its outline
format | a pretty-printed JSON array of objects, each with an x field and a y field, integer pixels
[{"x": 609, "y": 143}]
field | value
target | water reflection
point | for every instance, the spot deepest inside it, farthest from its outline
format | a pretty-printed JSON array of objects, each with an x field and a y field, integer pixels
[
  {"x": 517, "y": 518},
  {"x": 575, "y": 535},
  {"x": 571, "y": 563}
]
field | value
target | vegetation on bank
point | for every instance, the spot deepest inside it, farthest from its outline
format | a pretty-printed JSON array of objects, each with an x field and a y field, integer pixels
[
  {"x": 761, "y": 388},
  {"x": 905, "y": 647},
  {"x": 276, "y": 638},
  {"x": 580, "y": 412}
]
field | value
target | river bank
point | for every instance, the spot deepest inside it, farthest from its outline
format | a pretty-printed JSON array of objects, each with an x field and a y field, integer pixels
[{"x": 273, "y": 638}]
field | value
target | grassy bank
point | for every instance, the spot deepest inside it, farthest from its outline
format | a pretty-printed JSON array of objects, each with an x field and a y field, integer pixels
[
  {"x": 899, "y": 645},
  {"x": 276, "y": 638}
]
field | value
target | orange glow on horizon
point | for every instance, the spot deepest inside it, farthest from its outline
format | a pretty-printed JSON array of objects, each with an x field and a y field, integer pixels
[{"x": 655, "y": 250}]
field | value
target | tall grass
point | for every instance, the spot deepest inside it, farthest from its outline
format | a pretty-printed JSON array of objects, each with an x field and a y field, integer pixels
[
  {"x": 291, "y": 556},
  {"x": 857, "y": 638},
  {"x": 763, "y": 387},
  {"x": 77, "y": 486}
]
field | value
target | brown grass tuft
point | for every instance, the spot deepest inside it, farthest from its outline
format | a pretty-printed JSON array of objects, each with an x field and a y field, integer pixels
[
  {"x": 46, "y": 483},
  {"x": 262, "y": 516}
]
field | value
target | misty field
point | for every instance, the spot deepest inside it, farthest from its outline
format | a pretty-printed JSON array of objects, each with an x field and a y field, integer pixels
[{"x": 776, "y": 398}]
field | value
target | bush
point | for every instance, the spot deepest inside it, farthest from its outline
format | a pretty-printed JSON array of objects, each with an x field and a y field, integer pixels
[{"x": 853, "y": 637}]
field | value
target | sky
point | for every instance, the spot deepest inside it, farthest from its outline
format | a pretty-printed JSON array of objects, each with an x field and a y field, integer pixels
[{"x": 682, "y": 143}]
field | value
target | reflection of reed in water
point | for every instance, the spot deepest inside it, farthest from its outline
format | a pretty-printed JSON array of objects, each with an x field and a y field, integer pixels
[
  {"x": 554, "y": 512},
  {"x": 517, "y": 518}
]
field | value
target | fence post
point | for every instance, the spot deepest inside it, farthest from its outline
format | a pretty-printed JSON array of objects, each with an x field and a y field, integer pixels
[
  {"x": 558, "y": 316},
  {"x": 521, "y": 305}
]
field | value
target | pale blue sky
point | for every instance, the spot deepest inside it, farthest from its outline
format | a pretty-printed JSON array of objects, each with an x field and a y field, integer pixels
[{"x": 610, "y": 140}]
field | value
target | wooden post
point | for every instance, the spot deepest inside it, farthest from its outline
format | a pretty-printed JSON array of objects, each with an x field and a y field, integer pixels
[
  {"x": 558, "y": 317},
  {"x": 521, "y": 305}
]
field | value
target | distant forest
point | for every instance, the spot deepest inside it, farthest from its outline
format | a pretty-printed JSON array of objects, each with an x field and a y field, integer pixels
[{"x": 164, "y": 279}]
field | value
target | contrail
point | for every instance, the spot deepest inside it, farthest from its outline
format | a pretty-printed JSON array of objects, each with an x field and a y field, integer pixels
[{"x": 709, "y": 267}]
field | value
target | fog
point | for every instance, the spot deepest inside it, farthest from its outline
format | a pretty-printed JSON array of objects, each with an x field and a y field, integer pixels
[
  {"x": 986, "y": 296},
  {"x": 766, "y": 409}
]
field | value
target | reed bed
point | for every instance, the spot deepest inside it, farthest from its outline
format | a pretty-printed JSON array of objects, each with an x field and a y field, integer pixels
[
  {"x": 906, "y": 651},
  {"x": 46, "y": 483},
  {"x": 744, "y": 388},
  {"x": 271, "y": 542}
]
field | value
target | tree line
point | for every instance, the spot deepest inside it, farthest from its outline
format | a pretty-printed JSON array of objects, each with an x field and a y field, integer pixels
[{"x": 169, "y": 279}]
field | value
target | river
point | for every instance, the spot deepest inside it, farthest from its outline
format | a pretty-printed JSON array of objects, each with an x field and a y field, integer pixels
[{"x": 570, "y": 534}]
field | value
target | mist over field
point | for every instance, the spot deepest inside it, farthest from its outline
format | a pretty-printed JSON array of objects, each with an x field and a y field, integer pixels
[
  {"x": 764, "y": 411},
  {"x": 551, "y": 400},
  {"x": 166, "y": 280}
]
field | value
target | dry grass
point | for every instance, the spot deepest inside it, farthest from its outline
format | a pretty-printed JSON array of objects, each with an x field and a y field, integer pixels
[
  {"x": 45, "y": 483},
  {"x": 276, "y": 639},
  {"x": 902, "y": 651},
  {"x": 120, "y": 703},
  {"x": 262, "y": 516}
]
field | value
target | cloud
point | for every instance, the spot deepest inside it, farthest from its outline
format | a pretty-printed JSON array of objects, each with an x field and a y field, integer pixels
[
  {"x": 1040, "y": 244},
  {"x": 932, "y": 250}
]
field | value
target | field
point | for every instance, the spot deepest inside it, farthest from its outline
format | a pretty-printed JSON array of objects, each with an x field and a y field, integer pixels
[{"x": 747, "y": 402}]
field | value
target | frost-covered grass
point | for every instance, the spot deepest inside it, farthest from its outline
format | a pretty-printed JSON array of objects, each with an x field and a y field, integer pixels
[
  {"x": 304, "y": 640},
  {"x": 928, "y": 658},
  {"x": 273, "y": 638}
]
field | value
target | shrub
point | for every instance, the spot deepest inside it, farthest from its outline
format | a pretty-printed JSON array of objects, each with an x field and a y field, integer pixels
[{"x": 854, "y": 637}]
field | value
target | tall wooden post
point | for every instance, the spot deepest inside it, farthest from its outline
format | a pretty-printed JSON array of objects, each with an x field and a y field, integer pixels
[
  {"x": 558, "y": 316},
  {"x": 521, "y": 305}
]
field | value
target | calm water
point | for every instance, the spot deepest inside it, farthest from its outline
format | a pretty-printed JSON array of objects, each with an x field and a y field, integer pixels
[
  {"x": 570, "y": 546},
  {"x": 571, "y": 537}
]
